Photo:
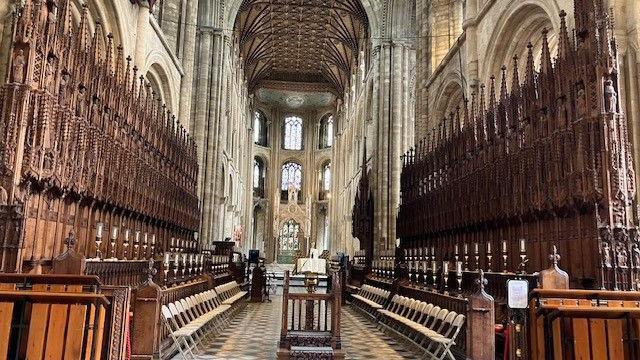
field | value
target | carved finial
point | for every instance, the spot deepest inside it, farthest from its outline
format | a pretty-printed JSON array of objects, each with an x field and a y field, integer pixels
[
  {"x": 546, "y": 66},
  {"x": 151, "y": 270},
  {"x": 554, "y": 257},
  {"x": 515, "y": 83},
  {"x": 503, "y": 84},
  {"x": 530, "y": 72},
  {"x": 481, "y": 281}
]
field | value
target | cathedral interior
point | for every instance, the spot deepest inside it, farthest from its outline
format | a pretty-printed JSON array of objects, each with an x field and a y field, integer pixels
[{"x": 319, "y": 179}]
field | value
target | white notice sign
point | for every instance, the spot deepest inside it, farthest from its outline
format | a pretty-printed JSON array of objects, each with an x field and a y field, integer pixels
[{"x": 518, "y": 294}]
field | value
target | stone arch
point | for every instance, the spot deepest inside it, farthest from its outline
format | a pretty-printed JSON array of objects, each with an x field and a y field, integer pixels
[
  {"x": 520, "y": 23},
  {"x": 164, "y": 84},
  {"x": 451, "y": 96},
  {"x": 110, "y": 14}
]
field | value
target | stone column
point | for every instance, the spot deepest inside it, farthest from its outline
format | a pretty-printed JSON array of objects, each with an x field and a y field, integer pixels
[
  {"x": 142, "y": 28},
  {"x": 188, "y": 60}
]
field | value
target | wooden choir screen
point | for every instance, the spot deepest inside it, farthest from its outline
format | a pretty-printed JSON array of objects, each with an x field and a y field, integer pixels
[
  {"x": 56, "y": 316},
  {"x": 547, "y": 162},
  {"x": 85, "y": 140},
  {"x": 362, "y": 214}
]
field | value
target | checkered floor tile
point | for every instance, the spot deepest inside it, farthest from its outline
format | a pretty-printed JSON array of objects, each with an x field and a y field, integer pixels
[{"x": 253, "y": 335}]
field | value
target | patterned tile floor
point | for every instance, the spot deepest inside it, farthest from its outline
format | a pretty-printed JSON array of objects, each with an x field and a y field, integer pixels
[{"x": 254, "y": 332}]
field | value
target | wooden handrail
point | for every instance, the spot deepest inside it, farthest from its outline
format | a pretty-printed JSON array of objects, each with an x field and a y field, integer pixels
[
  {"x": 52, "y": 297},
  {"x": 63, "y": 279},
  {"x": 584, "y": 294},
  {"x": 306, "y": 296}
]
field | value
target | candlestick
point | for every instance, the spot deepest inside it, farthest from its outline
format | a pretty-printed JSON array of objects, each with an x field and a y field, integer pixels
[
  {"x": 136, "y": 244},
  {"x": 125, "y": 244},
  {"x": 99, "y": 227},
  {"x": 522, "y": 246},
  {"x": 98, "y": 240}
]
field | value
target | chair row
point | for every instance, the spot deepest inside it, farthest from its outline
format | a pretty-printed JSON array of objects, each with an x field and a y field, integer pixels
[
  {"x": 426, "y": 325},
  {"x": 370, "y": 299},
  {"x": 193, "y": 319},
  {"x": 230, "y": 293}
]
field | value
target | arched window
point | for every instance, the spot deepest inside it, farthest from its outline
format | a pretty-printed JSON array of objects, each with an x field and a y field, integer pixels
[
  {"x": 260, "y": 129},
  {"x": 325, "y": 181},
  {"x": 259, "y": 172},
  {"x": 292, "y": 137},
  {"x": 326, "y": 132},
  {"x": 291, "y": 176}
]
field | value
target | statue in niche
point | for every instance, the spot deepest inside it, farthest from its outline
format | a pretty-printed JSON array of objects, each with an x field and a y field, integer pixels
[
  {"x": 19, "y": 62},
  {"x": 621, "y": 256},
  {"x": 4, "y": 196},
  {"x": 636, "y": 256},
  {"x": 561, "y": 112},
  {"x": 581, "y": 103},
  {"x": 606, "y": 255},
  {"x": 64, "y": 82},
  {"x": 80, "y": 101},
  {"x": 293, "y": 193},
  {"x": 610, "y": 97},
  {"x": 49, "y": 73}
]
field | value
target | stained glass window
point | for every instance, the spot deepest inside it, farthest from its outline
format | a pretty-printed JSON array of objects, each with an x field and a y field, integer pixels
[
  {"x": 292, "y": 133},
  {"x": 291, "y": 174}
]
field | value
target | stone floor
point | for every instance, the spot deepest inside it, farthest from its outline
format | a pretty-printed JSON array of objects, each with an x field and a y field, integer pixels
[{"x": 253, "y": 335}]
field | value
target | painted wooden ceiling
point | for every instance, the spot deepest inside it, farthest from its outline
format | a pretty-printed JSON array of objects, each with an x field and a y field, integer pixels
[{"x": 312, "y": 41}]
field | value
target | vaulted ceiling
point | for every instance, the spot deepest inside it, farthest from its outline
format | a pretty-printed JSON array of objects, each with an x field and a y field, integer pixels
[{"x": 310, "y": 41}]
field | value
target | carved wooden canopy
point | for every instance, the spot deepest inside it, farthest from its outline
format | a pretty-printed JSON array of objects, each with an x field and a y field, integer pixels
[{"x": 315, "y": 41}]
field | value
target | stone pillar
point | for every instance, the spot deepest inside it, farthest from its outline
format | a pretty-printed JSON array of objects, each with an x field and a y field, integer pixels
[
  {"x": 142, "y": 27},
  {"x": 188, "y": 60}
]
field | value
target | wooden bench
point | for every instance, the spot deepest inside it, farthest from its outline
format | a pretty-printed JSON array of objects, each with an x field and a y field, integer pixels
[
  {"x": 60, "y": 316},
  {"x": 600, "y": 324}
]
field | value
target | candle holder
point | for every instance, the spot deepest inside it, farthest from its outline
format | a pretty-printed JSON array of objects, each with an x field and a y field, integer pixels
[
  {"x": 114, "y": 238},
  {"x": 145, "y": 244},
  {"x": 176, "y": 265},
  {"x": 166, "y": 263},
  {"x": 434, "y": 269},
  {"x": 99, "y": 227},
  {"x": 125, "y": 244},
  {"x": 523, "y": 257},
  {"x": 504, "y": 256},
  {"x": 459, "y": 277},
  {"x": 153, "y": 245},
  {"x": 172, "y": 244},
  {"x": 136, "y": 245},
  {"x": 445, "y": 276},
  {"x": 477, "y": 256},
  {"x": 466, "y": 257}
]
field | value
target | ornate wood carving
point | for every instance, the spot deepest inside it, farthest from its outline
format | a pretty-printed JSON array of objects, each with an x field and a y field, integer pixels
[
  {"x": 84, "y": 140},
  {"x": 314, "y": 41},
  {"x": 362, "y": 216},
  {"x": 548, "y": 161}
]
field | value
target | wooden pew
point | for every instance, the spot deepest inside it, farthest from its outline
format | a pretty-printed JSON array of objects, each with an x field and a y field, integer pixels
[
  {"x": 584, "y": 324},
  {"x": 310, "y": 325},
  {"x": 62, "y": 316}
]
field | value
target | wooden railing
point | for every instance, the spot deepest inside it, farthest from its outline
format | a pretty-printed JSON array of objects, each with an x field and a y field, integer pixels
[
  {"x": 584, "y": 324},
  {"x": 56, "y": 316},
  {"x": 311, "y": 320}
]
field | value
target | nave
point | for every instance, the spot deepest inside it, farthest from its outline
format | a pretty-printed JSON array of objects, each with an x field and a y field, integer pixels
[{"x": 254, "y": 333}]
